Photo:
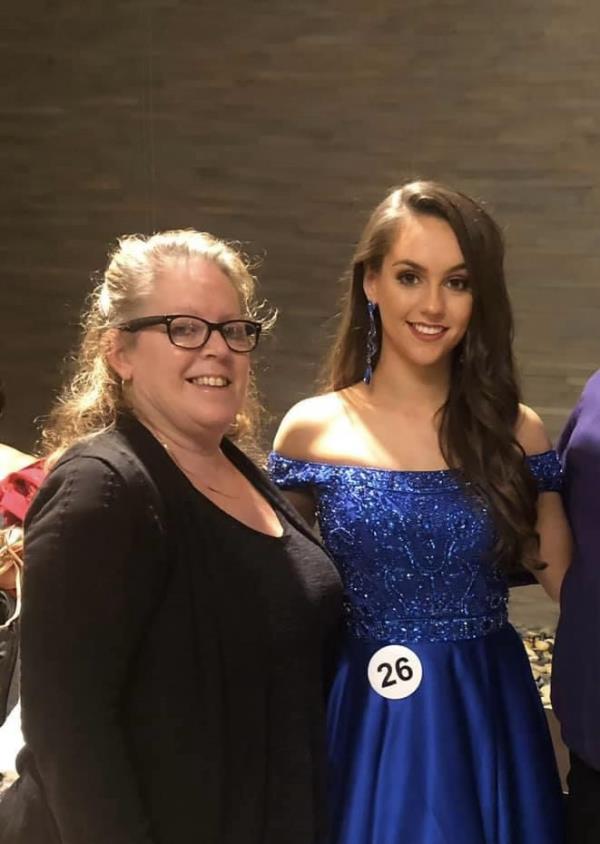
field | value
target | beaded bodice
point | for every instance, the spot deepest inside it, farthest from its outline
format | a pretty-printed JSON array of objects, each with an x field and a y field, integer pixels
[{"x": 414, "y": 548}]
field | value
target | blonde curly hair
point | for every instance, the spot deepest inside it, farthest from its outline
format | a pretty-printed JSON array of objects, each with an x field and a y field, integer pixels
[{"x": 93, "y": 397}]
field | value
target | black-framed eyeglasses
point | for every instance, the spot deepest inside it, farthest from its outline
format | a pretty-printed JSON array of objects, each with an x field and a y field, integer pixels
[{"x": 192, "y": 332}]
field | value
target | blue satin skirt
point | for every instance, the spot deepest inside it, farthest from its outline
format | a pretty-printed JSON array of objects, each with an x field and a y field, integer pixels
[{"x": 466, "y": 759}]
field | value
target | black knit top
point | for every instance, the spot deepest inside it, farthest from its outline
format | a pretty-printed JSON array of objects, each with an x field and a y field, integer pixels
[{"x": 174, "y": 661}]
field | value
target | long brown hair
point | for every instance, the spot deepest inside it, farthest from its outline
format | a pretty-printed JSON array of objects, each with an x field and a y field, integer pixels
[
  {"x": 477, "y": 421},
  {"x": 93, "y": 397}
]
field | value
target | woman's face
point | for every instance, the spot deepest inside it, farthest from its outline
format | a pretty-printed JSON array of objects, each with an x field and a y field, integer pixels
[
  {"x": 423, "y": 293},
  {"x": 168, "y": 386}
]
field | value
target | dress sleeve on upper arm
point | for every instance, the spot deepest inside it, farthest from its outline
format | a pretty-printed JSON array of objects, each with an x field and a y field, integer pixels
[
  {"x": 90, "y": 585},
  {"x": 546, "y": 470},
  {"x": 288, "y": 473}
]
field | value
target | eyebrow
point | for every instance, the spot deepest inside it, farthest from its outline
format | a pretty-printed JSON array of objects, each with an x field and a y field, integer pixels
[{"x": 415, "y": 266}]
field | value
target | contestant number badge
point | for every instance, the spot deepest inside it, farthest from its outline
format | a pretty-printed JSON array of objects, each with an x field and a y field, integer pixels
[{"x": 395, "y": 672}]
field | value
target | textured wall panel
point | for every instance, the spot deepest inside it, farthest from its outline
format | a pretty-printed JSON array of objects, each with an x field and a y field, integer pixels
[{"x": 280, "y": 124}]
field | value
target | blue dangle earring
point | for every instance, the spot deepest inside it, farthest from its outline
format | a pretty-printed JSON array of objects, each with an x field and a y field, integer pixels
[{"x": 372, "y": 344}]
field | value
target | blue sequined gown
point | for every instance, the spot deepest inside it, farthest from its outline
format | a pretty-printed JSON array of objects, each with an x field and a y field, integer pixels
[{"x": 440, "y": 739}]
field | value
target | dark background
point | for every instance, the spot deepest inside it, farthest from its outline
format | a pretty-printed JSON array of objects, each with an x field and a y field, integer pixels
[{"x": 280, "y": 124}]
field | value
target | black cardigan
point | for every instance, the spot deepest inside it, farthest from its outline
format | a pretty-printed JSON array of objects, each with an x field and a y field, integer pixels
[{"x": 120, "y": 677}]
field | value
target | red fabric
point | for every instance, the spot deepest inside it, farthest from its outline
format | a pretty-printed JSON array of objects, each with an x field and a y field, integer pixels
[{"x": 17, "y": 491}]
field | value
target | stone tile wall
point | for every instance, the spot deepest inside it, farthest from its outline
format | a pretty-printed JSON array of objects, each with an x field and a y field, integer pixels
[{"x": 280, "y": 124}]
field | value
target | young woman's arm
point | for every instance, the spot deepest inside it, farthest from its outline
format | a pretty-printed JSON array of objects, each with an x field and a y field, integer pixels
[
  {"x": 295, "y": 438},
  {"x": 552, "y": 525}
]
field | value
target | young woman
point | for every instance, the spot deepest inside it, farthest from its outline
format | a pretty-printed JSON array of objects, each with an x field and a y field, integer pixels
[{"x": 431, "y": 483}]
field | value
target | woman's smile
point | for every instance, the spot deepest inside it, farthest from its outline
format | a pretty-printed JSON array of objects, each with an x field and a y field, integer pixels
[{"x": 426, "y": 331}]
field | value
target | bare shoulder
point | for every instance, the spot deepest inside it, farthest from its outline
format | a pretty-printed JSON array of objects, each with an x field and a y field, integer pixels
[
  {"x": 304, "y": 425},
  {"x": 531, "y": 432}
]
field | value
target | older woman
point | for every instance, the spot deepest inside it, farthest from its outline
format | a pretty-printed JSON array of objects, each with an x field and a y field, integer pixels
[{"x": 176, "y": 612}]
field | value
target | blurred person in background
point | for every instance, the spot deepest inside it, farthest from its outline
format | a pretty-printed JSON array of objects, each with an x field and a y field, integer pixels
[
  {"x": 20, "y": 477},
  {"x": 576, "y": 661}
]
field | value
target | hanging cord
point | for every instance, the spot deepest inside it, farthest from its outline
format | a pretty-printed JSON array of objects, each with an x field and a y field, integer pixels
[{"x": 149, "y": 123}]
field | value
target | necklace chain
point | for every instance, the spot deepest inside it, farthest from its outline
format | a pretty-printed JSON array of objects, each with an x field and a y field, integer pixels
[
  {"x": 218, "y": 491},
  {"x": 194, "y": 476}
]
